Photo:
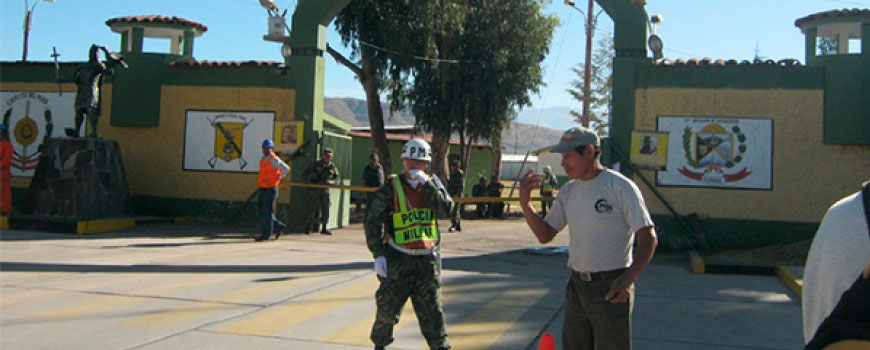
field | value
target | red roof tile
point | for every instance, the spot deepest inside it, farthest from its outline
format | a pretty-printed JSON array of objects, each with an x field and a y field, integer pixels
[
  {"x": 190, "y": 63},
  {"x": 725, "y": 63},
  {"x": 832, "y": 14},
  {"x": 158, "y": 19}
]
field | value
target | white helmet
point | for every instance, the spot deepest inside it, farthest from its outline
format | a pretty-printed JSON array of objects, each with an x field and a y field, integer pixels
[
  {"x": 417, "y": 149},
  {"x": 548, "y": 168}
]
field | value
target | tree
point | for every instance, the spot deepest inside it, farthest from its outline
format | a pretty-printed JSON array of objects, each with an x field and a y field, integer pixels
[
  {"x": 601, "y": 86},
  {"x": 488, "y": 62},
  {"x": 368, "y": 27}
]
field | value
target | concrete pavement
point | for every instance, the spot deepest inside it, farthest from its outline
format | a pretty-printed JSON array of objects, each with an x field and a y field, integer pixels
[{"x": 196, "y": 286}]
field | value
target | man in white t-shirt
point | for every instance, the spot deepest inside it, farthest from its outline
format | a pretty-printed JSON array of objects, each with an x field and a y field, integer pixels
[
  {"x": 837, "y": 256},
  {"x": 605, "y": 214}
]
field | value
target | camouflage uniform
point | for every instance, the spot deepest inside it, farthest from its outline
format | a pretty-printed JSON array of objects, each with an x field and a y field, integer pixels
[
  {"x": 417, "y": 277},
  {"x": 496, "y": 209},
  {"x": 321, "y": 173}
]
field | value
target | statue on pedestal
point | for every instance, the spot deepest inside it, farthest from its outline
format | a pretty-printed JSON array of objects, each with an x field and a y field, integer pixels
[{"x": 89, "y": 80}]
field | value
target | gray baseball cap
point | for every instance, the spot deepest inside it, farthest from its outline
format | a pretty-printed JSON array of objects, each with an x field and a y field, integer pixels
[{"x": 574, "y": 137}]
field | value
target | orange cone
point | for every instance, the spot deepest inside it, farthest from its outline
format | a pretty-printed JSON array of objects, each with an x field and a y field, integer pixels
[{"x": 547, "y": 342}]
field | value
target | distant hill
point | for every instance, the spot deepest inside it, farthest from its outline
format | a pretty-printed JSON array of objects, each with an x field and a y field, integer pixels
[{"x": 517, "y": 139}]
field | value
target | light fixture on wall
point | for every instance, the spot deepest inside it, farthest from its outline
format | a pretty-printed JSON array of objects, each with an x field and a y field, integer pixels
[{"x": 655, "y": 43}]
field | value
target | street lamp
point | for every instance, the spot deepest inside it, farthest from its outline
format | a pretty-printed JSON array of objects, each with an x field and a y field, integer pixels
[
  {"x": 28, "y": 15},
  {"x": 587, "y": 74}
]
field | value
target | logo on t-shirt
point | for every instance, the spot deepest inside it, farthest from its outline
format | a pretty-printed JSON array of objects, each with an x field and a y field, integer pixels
[{"x": 602, "y": 206}]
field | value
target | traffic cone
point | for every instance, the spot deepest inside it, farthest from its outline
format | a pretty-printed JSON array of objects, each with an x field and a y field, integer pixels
[{"x": 547, "y": 342}]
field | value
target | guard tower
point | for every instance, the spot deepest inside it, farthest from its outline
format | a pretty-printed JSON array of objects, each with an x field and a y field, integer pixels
[
  {"x": 179, "y": 31},
  {"x": 839, "y": 42},
  {"x": 136, "y": 91}
]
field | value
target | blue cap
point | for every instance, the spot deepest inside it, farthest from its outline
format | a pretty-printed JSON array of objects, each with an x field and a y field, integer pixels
[
  {"x": 267, "y": 143},
  {"x": 3, "y": 127}
]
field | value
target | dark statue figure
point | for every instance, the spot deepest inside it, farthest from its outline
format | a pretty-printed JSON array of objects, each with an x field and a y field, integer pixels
[{"x": 89, "y": 80}]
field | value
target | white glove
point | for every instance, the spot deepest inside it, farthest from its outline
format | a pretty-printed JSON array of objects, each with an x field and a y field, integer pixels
[
  {"x": 381, "y": 266},
  {"x": 419, "y": 175}
]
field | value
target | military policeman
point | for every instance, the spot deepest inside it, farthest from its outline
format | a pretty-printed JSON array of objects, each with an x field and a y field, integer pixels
[
  {"x": 321, "y": 172},
  {"x": 496, "y": 209},
  {"x": 402, "y": 234},
  {"x": 548, "y": 186}
]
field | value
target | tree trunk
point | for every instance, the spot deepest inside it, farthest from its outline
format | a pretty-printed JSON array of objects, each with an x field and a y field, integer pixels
[
  {"x": 376, "y": 114},
  {"x": 440, "y": 149},
  {"x": 496, "y": 157}
]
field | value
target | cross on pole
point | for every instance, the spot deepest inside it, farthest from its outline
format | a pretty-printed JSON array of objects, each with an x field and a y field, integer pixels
[{"x": 55, "y": 55}]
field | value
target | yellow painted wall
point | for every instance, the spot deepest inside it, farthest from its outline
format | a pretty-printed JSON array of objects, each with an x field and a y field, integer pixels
[
  {"x": 153, "y": 156},
  {"x": 808, "y": 176}
]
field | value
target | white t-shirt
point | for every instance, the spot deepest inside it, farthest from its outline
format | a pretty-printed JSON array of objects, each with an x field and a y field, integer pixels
[
  {"x": 602, "y": 215},
  {"x": 837, "y": 257}
]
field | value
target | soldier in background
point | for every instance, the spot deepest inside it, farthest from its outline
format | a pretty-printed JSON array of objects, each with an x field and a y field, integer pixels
[
  {"x": 548, "y": 186},
  {"x": 496, "y": 209},
  {"x": 479, "y": 190},
  {"x": 407, "y": 262},
  {"x": 455, "y": 187},
  {"x": 321, "y": 172},
  {"x": 372, "y": 176}
]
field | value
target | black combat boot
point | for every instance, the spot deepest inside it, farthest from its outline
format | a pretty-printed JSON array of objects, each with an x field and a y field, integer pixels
[{"x": 325, "y": 231}]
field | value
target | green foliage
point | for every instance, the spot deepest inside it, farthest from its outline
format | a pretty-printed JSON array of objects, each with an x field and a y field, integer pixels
[{"x": 600, "y": 88}]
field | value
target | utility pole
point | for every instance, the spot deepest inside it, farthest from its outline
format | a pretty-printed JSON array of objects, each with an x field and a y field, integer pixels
[
  {"x": 587, "y": 67},
  {"x": 587, "y": 71}
]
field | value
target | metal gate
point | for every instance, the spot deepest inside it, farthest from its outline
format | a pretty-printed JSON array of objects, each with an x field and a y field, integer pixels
[{"x": 342, "y": 146}]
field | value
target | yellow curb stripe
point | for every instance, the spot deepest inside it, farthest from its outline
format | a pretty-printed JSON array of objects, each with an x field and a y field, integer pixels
[
  {"x": 278, "y": 318},
  {"x": 193, "y": 310},
  {"x": 486, "y": 325},
  {"x": 791, "y": 280},
  {"x": 4, "y": 222},
  {"x": 102, "y": 226},
  {"x": 104, "y": 303},
  {"x": 357, "y": 333},
  {"x": 696, "y": 262}
]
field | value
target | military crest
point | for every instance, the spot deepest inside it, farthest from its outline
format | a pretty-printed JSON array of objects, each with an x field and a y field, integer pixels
[
  {"x": 715, "y": 151},
  {"x": 229, "y": 133},
  {"x": 24, "y": 127}
]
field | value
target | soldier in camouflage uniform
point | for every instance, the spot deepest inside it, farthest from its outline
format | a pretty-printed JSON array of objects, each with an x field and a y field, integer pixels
[
  {"x": 321, "y": 172},
  {"x": 402, "y": 234},
  {"x": 455, "y": 186}
]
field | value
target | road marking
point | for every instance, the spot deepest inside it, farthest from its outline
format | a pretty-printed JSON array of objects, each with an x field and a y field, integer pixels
[
  {"x": 106, "y": 302},
  {"x": 357, "y": 333},
  {"x": 190, "y": 311},
  {"x": 486, "y": 325},
  {"x": 278, "y": 318}
]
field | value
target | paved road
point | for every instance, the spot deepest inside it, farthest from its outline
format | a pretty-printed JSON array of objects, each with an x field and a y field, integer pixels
[{"x": 191, "y": 286}]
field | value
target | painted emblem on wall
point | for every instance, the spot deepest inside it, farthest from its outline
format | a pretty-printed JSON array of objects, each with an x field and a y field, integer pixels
[
  {"x": 229, "y": 133},
  {"x": 718, "y": 152},
  {"x": 225, "y": 140},
  {"x": 715, "y": 154},
  {"x": 30, "y": 120}
]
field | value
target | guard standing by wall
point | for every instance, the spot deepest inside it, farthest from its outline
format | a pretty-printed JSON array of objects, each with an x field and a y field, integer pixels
[
  {"x": 455, "y": 187},
  {"x": 548, "y": 185},
  {"x": 321, "y": 172},
  {"x": 272, "y": 170},
  {"x": 402, "y": 234},
  {"x": 5, "y": 171},
  {"x": 372, "y": 176}
]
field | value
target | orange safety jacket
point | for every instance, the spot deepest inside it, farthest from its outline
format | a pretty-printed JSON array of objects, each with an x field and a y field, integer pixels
[
  {"x": 269, "y": 177},
  {"x": 415, "y": 230}
]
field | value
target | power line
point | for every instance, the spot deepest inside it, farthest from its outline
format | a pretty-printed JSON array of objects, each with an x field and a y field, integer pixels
[{"x": 419, "y": 58}]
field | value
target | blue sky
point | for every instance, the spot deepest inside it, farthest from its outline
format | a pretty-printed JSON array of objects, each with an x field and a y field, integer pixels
[{"x": 691, "y": 28}]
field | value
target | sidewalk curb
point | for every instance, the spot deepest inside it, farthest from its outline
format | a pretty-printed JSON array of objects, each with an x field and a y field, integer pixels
[{"x": 791, "y": 280}]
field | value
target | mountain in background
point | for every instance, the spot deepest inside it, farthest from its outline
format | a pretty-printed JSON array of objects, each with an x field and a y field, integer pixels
[{"x": 519, "y": 138}]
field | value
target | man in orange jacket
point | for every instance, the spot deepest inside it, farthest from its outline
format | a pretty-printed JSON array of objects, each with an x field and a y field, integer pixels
[
  {"x": 5, "y": 171},
  {"x": 272, "y": 170}
]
